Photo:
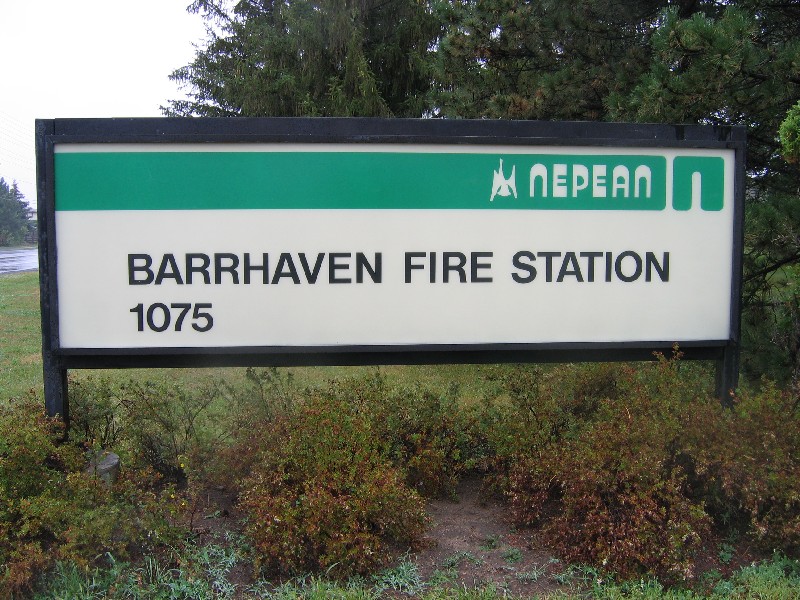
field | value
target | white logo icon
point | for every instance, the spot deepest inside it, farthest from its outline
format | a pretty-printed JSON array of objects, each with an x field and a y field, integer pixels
[{"x": 502, "y": 185}]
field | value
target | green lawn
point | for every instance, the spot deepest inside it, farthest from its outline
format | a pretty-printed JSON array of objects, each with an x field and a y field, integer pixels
[{"x": 20, "y": 335}]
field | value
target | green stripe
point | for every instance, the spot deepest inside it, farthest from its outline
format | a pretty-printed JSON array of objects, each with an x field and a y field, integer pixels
[{"x": 326, "y": 180}]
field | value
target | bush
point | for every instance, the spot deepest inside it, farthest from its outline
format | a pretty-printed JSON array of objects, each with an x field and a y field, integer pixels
[
  {"x": 152, "y": 424},
  {"x": 267, "y": 395},
  {"x": 424, "y": 434},
  {"x": 51, "y": 509},
  {"x": 536, "y": 408},
  {"x": 323, "y": 497},
  {"x": 601, "y": 471},
  {"x": 95, "y": 413},
  {"x": 746, "y": 466},
  {"x": 167, "y": 424},
  {"x": 768, "y": 484},
  {"x": 32, "y": 478},
  {"x": 628, "y": 468},
  {"x": 612, "y": 500},
  {"x": 623, "y": 467}
]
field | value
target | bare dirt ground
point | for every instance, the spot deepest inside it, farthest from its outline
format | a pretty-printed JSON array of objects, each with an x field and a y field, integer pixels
[{"x": 472, "y": 544}]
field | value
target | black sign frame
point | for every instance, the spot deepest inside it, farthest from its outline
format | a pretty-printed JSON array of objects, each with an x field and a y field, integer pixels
[{"x": 57, "y": 360}]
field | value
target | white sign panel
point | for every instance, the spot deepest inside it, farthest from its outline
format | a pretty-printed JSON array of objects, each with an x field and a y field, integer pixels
[{"x": 306, "y": 245}]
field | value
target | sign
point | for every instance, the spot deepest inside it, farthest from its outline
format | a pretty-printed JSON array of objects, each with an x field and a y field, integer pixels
[{"x": 369, "y": 241}]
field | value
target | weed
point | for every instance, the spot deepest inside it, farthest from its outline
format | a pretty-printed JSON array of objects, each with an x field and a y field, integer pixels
[
  {"x": 68, "y": 581},
  {"x": 491, "y": 543},
  {"x": 577, "y": 575},
  {"x": 310, "y": 587},
  {"x": 726, "y": 553},
  {"x": 442, "y": 577},
  {"x": 404, "y": 578},
  {"x": 488, "y": 592},
  {"x": 533, "y": 574},
  {"x": 214, "y": 563},
  {"x": 642, "y": 589},
  {"x": 512, "y": 555},
  {"x": 775, "y": 578},
  {"x": 562, "y": 577}
]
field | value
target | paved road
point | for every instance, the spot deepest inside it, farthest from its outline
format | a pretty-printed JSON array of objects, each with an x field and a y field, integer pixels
[{"x": 14, "y": 260}]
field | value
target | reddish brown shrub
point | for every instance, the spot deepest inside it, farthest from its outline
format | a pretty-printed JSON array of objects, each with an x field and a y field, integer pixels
[
  {"x": 51, "y": 509},
  {"x": 424, "y": 434},
  {"x": 746, "y": 465},
  {"x": 322, "y": 497},
  {"x": 605, "y": 483},
  {"x": 611, "y": 499}
]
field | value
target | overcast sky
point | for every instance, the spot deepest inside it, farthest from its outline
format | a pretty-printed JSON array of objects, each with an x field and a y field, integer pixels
[{"x": 85, "y": 58}]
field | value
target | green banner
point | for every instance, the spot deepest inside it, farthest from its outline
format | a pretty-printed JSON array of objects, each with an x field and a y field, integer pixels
[{"x": 186, "y": 180}]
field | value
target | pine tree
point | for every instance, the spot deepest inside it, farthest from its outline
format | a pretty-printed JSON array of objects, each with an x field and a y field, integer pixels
[
  {"x": 740, "y": 65},
  {"x": 14, "y": 214},
  {"x": 303, "y": 58},
  {"x": 540, "y": 60}
]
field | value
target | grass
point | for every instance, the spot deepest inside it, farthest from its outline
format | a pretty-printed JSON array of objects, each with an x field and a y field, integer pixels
[
  {"x": 20, "y": 335},
  {"x": 203, "y": 573}
]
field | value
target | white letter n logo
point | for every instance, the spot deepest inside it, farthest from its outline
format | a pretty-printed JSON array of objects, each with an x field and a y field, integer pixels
[{"x": 503, "y": 186}]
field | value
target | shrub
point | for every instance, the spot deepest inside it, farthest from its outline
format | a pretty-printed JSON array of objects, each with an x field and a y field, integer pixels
[
  {"x": 613, "y": 501},
  {"x": 768, "y": 485},
  {"x": 32, "y": 478},
  {"x": 746, "y": 466},
  {"x": 323, "y": 497},
  {"x": 153, "y": 424},
  {"x": 536, "y": 408},
  {"x": 637, "y": 464},
  {"x": 167, "y": 423},
  {"x": 266, "y": 395},
  {"x": 601, "y": 474},
  {"x": 425, "y": 434},
  {"x": 50, "y": 509},
  {"x": 95, "y": 413}
]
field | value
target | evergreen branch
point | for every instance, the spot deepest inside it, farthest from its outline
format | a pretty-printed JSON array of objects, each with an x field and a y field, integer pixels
[{"x": 773, "y": 267}]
